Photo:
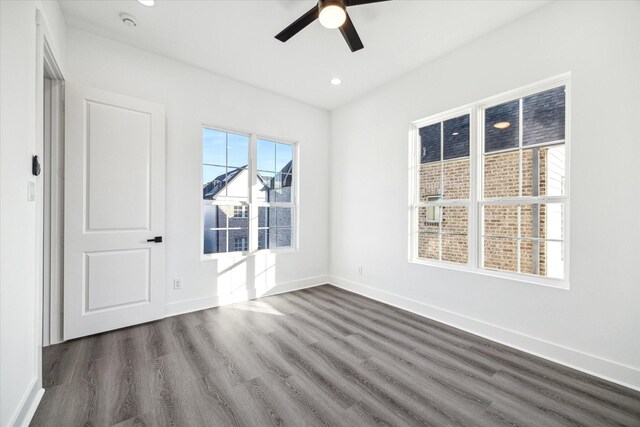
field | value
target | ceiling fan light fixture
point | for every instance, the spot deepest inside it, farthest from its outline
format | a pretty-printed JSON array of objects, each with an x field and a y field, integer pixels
[{"x": 332, "y": 15}]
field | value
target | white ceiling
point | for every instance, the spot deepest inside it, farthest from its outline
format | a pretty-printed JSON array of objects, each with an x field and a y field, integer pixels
[{"x": 235, "y": 38}]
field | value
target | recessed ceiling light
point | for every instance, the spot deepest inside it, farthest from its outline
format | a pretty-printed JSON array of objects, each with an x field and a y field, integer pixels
[
  {"x": 336, "y": 81},
  {"x": 502, "y": 125},
  {"x": 148, "y": 3}
]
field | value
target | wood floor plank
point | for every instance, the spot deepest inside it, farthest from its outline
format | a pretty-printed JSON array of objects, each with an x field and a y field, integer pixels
[
  {"x": 316, "y": 357},
  {"x": 173, "y": 395},
  {"x": 48, "y": 412},
  {"x": 58, "y": 362}
]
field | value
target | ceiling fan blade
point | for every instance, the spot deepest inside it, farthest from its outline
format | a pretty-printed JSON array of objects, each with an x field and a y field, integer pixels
[
  {"x": 351, "y": 35},
  {"x": 359, "y": 2},
  {"x": 299, "y": 24}
]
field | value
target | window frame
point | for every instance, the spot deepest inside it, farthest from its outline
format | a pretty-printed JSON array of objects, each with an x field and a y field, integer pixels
[
  {"x": 252, "y": 204},
  {"x": 476, "y": 184}
]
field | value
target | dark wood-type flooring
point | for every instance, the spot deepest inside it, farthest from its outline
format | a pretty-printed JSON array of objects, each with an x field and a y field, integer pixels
[{"x": 320, "y": 356}]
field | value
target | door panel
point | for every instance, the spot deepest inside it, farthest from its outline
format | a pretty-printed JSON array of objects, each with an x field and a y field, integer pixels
[
  {"x": 114, "y": 202},
  {"x": 116, "y": 278},
  {"x": 112, "y": 132}
]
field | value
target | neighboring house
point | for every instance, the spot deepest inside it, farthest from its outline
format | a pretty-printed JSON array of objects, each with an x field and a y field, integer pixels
[
  {"x": 444, "y": 175},
  {"x": 229, "y": 224}
]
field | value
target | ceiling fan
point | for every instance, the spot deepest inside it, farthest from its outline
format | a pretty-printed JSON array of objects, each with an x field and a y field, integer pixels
[{"x": 332, "y": 14}]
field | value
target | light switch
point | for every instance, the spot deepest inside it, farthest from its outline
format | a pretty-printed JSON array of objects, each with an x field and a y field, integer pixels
[{"x": 31, "y": 191}]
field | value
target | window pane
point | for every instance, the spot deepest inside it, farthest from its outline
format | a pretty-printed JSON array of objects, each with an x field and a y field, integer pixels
[
  {"x": 283, "y": 184},
  {"x": 266, "y": 155},
  {"x": 283, "y": 239},
  {"x": 501, "y": 174},
  {"x": 543, "y": 116},
  {"x": 501, "y": 220},
  {"x": 544, "y": 221},
  {"x": 554, "y": 171},
  {"x": 236, "y": 238},
  {"x": 454, "y": 220},
  {"x": 238, "y": 222},
  {"x": 429, "y": 219},
  {"x": 237, "y": 183},
  {"x": 215, "y": 241},
  {"x": 430, "y": 143},
  {"x": 531, "y": 172},
  {"x": 214, "y": 147},
  {"x": 542, "y": 258},
  {"x": 543, "y": 171},
  {"x": 454, "y": 249},
  {"x": 213, "y": 182},
  {"x": 280, "y": 217},
  {"x": 280, "y": 231},
  {"x": 456, "y": 137},
  {"x": 216, "y": 216},
  {"x": 220, "y": 222},
  {"x": 265, "y": 184},
  {"x": 430, "y": 180},
  {"x": 263, "y": 239},
  {"x": 456, "y": 179},
  {"x": 428, "y": 246},
  {"x": 273, "y": 239},
  {"x": 501, "y": 126},
  {"x": 500, "y": 253},
  {"x": 237, "y": 150},
  {"x": 284, "y": 157},
  {"x": 263, "y": 216}
]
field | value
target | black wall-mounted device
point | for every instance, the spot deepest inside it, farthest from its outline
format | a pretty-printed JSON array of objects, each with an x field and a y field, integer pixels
[{"x": 35, "y": 166}]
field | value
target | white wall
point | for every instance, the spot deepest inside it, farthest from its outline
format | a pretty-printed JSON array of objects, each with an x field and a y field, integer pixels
[
  {"x": 193, "y": 97},
  {"x": 595, "y": 324},
  {"x": 19, "y": 354}
]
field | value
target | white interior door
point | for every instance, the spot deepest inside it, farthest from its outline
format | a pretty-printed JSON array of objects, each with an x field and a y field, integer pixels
[{"x": 114, "y": 203}]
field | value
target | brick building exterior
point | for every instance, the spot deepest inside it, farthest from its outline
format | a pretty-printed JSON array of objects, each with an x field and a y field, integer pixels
[{"x": 444, "y": 175}]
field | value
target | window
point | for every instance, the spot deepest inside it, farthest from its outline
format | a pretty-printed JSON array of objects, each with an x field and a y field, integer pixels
[
  {"x": 246, "y": 205},
  {"x": 240, "y": 244},
  {"x": 491, "y": 186},
  {"x": 240, "y": 212},
  {"x": 275, "y": 198}
]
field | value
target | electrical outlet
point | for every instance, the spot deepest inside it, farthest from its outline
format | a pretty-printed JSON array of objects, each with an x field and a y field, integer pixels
[
  {"x": 360, "y": 271},
  {"x": 177, "y": 283}
]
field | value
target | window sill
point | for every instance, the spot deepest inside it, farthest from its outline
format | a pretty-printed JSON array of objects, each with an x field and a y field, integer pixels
[
  {"x": 223, "y": 255},
  {"x": 517, "y": 277}
]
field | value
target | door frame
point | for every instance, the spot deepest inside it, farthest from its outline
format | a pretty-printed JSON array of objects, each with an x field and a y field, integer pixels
[{"x": 49, "y": 200}]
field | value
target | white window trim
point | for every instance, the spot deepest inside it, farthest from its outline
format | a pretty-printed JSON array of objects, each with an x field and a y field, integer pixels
[
  {"x": 474, "y": 109},
  {"x": 252, "y": 202}
]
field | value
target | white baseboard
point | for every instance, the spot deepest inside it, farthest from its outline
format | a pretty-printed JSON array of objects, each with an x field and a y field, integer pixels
[
  {"x": 594, "y": 365},
  {"x": 195, "y": 304},
  {"x": 28, "y": 405}
]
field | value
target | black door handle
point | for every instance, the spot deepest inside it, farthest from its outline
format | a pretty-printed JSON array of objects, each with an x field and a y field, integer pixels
[{"x": 157, "y": 239}]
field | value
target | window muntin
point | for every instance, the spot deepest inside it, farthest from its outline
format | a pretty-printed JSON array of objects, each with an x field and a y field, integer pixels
[
  {"x": 516, "y": 197},
  {"x": 231, "y": 192},
  {"x": 444, "y": 190}
]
